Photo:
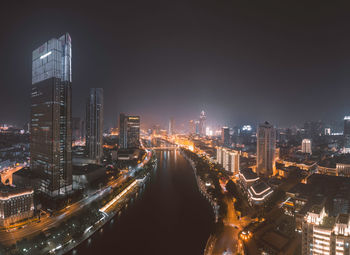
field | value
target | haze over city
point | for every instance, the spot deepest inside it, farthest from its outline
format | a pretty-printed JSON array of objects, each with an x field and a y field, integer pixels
[
  {"x": 175, "y": 127},
  {"x": 239, "y": 61}
]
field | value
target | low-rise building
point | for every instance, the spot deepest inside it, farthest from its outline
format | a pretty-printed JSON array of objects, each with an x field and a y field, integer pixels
[
  {"x": 259, "y": 193},
  {"x": 15, "y": 204},
  {"x": 247, "y": 177}
]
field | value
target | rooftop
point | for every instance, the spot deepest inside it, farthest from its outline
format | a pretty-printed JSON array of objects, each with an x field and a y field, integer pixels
[{"x": 248, "y": 174}]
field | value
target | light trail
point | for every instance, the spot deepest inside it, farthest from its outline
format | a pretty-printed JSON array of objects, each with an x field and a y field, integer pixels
[{"x": 121, "y": 194}]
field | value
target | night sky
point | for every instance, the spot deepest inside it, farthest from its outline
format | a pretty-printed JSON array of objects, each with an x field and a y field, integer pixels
[{"x": 240, "y": 61}]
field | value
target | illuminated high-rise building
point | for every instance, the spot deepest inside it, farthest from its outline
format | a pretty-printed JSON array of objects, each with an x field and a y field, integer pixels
[
  {"x": 129, "y": 131},
  {"x": 225, "y": 136},
  {"x": 229, "y": 159},
  {"x": 202, "y": 125},
  {"x": 346, "y": 134},
  {"x": 266, "y": 144},
  {"x": 197, "y": 126},
  {"x": 171, "y": 126},
  {"x": 51, "y": 116},
  {"x": 94, "y": 124},
  {"x": 306, "y": 146}
]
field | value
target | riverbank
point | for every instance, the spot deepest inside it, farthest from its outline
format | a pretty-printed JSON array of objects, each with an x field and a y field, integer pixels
[
  {"x": 120, "y": 204},
  {"x": 202, "y": 188},
  {"x": 210, "y": 181}
]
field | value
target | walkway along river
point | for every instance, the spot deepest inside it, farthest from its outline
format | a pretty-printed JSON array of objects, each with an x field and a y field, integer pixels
[{"x": 169, "y": 216}]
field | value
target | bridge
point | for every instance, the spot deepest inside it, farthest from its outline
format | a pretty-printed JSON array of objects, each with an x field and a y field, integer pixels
[{"x": 6, "y": 174}]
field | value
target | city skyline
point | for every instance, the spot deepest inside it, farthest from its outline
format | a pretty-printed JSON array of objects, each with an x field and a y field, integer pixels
[
  {"x": 222, "y": 70},
  {"x": 185, "y": 127}
]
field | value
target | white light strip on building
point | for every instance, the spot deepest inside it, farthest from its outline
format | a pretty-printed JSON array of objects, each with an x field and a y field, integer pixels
[
  {"x": 262, "y": 198},
  {"x": 251, "y": 180},
  {"x": 45, "y": 55},
  {"x": 16, "y": 195},
  {"x": 262, "y": 192}
]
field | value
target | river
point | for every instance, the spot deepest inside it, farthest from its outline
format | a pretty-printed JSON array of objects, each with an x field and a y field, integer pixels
[{"x": 169, "y": 216}]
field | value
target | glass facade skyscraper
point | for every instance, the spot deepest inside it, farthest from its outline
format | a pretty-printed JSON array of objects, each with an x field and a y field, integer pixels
[
  {"x": 94, "y": 124},
  {"x": 346, "y": 134},
  {"x": 129, "y": 132},
  {"x": 51, "y": 116},
  {"x": 266, "y": 145}
]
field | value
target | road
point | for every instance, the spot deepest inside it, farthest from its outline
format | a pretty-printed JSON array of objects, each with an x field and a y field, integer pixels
[
  {"x": 227, "y": 241},
  {"x": 34, "y": 228},
  {"x": 11, "y": 236}
]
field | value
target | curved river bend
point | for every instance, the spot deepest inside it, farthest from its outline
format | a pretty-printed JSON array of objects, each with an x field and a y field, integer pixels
[{"x": 170, "y": 216}]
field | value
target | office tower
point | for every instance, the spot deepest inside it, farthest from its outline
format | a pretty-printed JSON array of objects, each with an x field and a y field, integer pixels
[
  {"x": 306, "y": 146},
  {"x": 202, "y": 127},
  {"x": 197, "y": 125},
  {"x": 94, "y": 124},
  {"x": 225, "y": 136},
  {"x": 346, "y": 134},
  {"x": 171, "y": 126},
  {"x": 266, "y": 144},
  {"x": 322, "y": 234},
  {"x": 77, "y": 128},
  {"x": 51, "y": 116},
  {"x": 129, "y": 131}
]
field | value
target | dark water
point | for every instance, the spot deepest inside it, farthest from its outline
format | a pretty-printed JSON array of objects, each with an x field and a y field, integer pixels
[{"x": 169, "y": 217}]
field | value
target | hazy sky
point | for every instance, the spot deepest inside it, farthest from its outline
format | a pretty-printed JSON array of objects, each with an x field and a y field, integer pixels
[{"x": 240, "y": 61}]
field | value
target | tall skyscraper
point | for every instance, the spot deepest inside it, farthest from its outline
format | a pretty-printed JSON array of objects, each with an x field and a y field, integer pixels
[
  {"x": 171, "y": 126},
  {"x": 197, "y": 127},
  {"x": 306, "y": 146},
  {"x": 129, "y": 131},
  {"x": 94, "y": 124},
  {"x": 202, "y": 126},
  {"x": 266, "y": 144},
  {"x": 51, "y": 116},
  {"x": 225, "y": 136},
  {"x": 346, "y": 134}
]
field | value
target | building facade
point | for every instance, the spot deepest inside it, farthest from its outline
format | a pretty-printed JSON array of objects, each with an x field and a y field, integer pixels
[
  {"x": 129, "y": 132},
  {"x": 94, "y": 124},
  {"x": 51, "y": 116},
  {"x": 15, "y": 204},
  {"x": 202, "y": 124},
  {"x": 225, "y": 136},
  {"x": 306, "y": 146},
  {"x": 229, "y": 159},
  {"x": 325, "y": 235},
  {"x": 346, "y": 134},
  {"x": 171, "y": 126},
  {"x": 266, "y": 145}
]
